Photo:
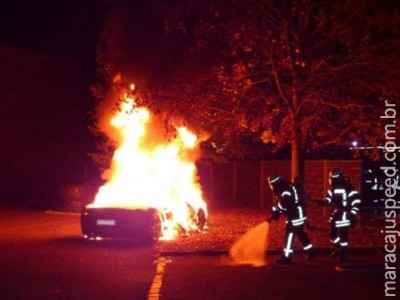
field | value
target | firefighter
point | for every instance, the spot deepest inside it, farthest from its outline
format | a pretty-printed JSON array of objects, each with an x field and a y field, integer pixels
[
  {"x": 346, "y": 201},
  {"x": 288, "y": 204}
]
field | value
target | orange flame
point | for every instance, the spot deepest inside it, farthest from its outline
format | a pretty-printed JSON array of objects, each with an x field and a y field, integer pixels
[{"x": 148, "y": 174}]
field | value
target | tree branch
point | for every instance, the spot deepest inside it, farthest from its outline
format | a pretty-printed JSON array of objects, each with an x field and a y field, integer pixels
[
  {"x": 276, "y": 77},
  {"x": 349, "y": 105},
  {"x": 335, "y": 140},
  {"x": 221, "y": 110}
]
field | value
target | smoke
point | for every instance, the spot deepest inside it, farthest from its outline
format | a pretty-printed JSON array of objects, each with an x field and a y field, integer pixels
[
  {"x": 133, "y": 49},
  {"x": 132, "y": 40},
  {"x": 250, "y": 248}
]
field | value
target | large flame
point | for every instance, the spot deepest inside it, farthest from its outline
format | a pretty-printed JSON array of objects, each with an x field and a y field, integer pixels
[{"x": 157, "y": 175}]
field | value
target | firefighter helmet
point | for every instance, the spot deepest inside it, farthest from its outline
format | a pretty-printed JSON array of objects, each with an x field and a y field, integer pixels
[
  {"x": 336, "y": 173},
  {"x": 274, "y": 179}
]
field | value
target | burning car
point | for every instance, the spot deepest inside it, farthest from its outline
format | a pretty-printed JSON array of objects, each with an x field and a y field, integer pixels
[
  {"x": 151, "y": 190},
  {"x": 114, "y": 222},
  {"x": 146, "y": 225}
]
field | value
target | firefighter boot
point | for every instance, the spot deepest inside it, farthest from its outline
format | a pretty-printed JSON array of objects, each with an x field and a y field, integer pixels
[
  {"x": 310, "y": 254},
  {"x": 335, "y": 252},
  {"x": 284, "y": 260}
]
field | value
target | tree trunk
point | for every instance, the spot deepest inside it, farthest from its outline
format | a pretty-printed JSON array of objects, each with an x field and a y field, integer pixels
[
  {"x": 294, "y": 145},
  {"x": 295, "y": 158}
]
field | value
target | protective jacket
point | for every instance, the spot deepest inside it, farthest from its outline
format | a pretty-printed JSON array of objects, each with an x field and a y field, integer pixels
[
  {"x": 346, "y": 202},
  {"x": 289, "y": 205}
]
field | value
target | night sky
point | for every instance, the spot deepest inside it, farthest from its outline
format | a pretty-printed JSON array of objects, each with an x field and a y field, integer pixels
[{"x": 66, "y": 28}]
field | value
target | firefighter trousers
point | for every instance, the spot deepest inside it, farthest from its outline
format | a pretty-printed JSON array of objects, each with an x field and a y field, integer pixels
[
  {"x": 339, "y": 235},
  {"x": 340, "y": 224},
  {"x": 295, "y": 231}
]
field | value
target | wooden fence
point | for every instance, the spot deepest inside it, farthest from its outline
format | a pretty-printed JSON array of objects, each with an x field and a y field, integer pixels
[{"x": 244, "y": 183}]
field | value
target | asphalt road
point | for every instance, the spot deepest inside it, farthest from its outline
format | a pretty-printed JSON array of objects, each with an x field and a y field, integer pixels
[{"x": 43, "y": 256}]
